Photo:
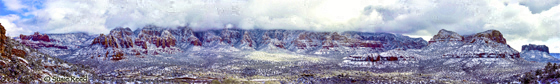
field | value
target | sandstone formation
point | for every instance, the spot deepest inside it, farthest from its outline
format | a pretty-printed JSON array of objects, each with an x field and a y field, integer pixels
[
  {"x": 490, "y": 35},
  {"x": 247, "y": 41},
  {"x": 38, "y": 41},
  {"x": 537, "y": 53},
  {"x": 542, "y": 48},
  {"x": 445, "y": 36},
  {"x": 153, "y": 40},
  {"x": 123, "y": 41},
  {"x": 487, "y": 44},
  {"x": 36, "y": 37},
  {"x": 3, "y": 39}
]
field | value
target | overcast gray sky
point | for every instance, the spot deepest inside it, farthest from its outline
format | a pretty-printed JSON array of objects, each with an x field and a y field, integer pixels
[{"x": 521, "y": 21}]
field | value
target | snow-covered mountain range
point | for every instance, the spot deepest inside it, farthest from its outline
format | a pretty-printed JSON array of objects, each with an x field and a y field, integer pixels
[
  {"x": 151, "y": 48},
  {"x": 448, "y": 44},
  {"x": 152, "y": 40}
]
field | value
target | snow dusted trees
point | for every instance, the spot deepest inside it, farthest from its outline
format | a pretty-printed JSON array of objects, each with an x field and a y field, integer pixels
[{"x": 547, "y": 75}]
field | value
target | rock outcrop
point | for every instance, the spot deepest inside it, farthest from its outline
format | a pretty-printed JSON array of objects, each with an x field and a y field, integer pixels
[
  {"x": 542, "y": 48},
  {"x": 387, "y": 41},
  {"x": 40, "y": 41},
  {"x": 194, "y": 41},
  {"x": 230, "y": 37},
  {"x": 38, "y": 45},
  {"x": 490, "y": 35},
  {"x": 211, "y": 39},
  {"x": 272, "y": 39},
  {"x": 123, "y": 38},
  {"x": 158, "y": 37},
  {"x": 336, "y": 40},
  {"x": 247, "y": 41},
  {"x": 123, "y": 41},
  {"x": 487, "y": 44},
  {"x": 3, "y": 39},
  {"x": 186, "y": 37},
  {"x": 446, "y": 36},
  {"x": 35, "y": 37},
  {"x": 537, "y": 53},
  {"x": 106, "y": 41},
  {"x": 306, "y": 41}
]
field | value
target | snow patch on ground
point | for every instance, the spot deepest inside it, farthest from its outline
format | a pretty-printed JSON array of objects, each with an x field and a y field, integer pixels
[{"x": 280, "y": 57}]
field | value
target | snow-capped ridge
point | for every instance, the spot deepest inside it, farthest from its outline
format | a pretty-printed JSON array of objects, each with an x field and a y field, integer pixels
[
  {"x": 485, "y": 44},
  {"x": 153, "y": 40}
]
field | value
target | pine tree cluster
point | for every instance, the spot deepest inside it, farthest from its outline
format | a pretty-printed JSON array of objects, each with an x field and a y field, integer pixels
[{"x": 549, "y": 74}]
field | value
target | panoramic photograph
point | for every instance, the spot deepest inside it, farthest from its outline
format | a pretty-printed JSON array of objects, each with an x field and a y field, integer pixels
[{"x": 280, "y": 41}]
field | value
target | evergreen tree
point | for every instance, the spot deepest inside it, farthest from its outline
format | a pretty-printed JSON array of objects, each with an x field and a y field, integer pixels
[
  {"x": 528, "y": 78},
  {"x": 548, "y": 67},
  {"x": 557, "y": 74},
  {"x": 538, "y": 72},
  {"x": 554, "y": 67},
  {"x": 557, "y": 66},
  {"x": 553, "y": 74}
]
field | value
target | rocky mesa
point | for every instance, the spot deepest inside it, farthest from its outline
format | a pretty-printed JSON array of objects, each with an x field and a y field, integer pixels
[
  {"x": 487, "y": 44},
  {"x": 537, "y": 53},
  {"x": 542, "y": 48}
]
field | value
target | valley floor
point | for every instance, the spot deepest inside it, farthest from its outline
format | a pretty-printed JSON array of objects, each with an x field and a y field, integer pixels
[{"x": 285, "y": 67}]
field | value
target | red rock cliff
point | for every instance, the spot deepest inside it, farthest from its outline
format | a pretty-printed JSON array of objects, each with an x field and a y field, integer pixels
[
  {"x": 3, "y": 39},
  {"x": 35, "y": 37}
]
